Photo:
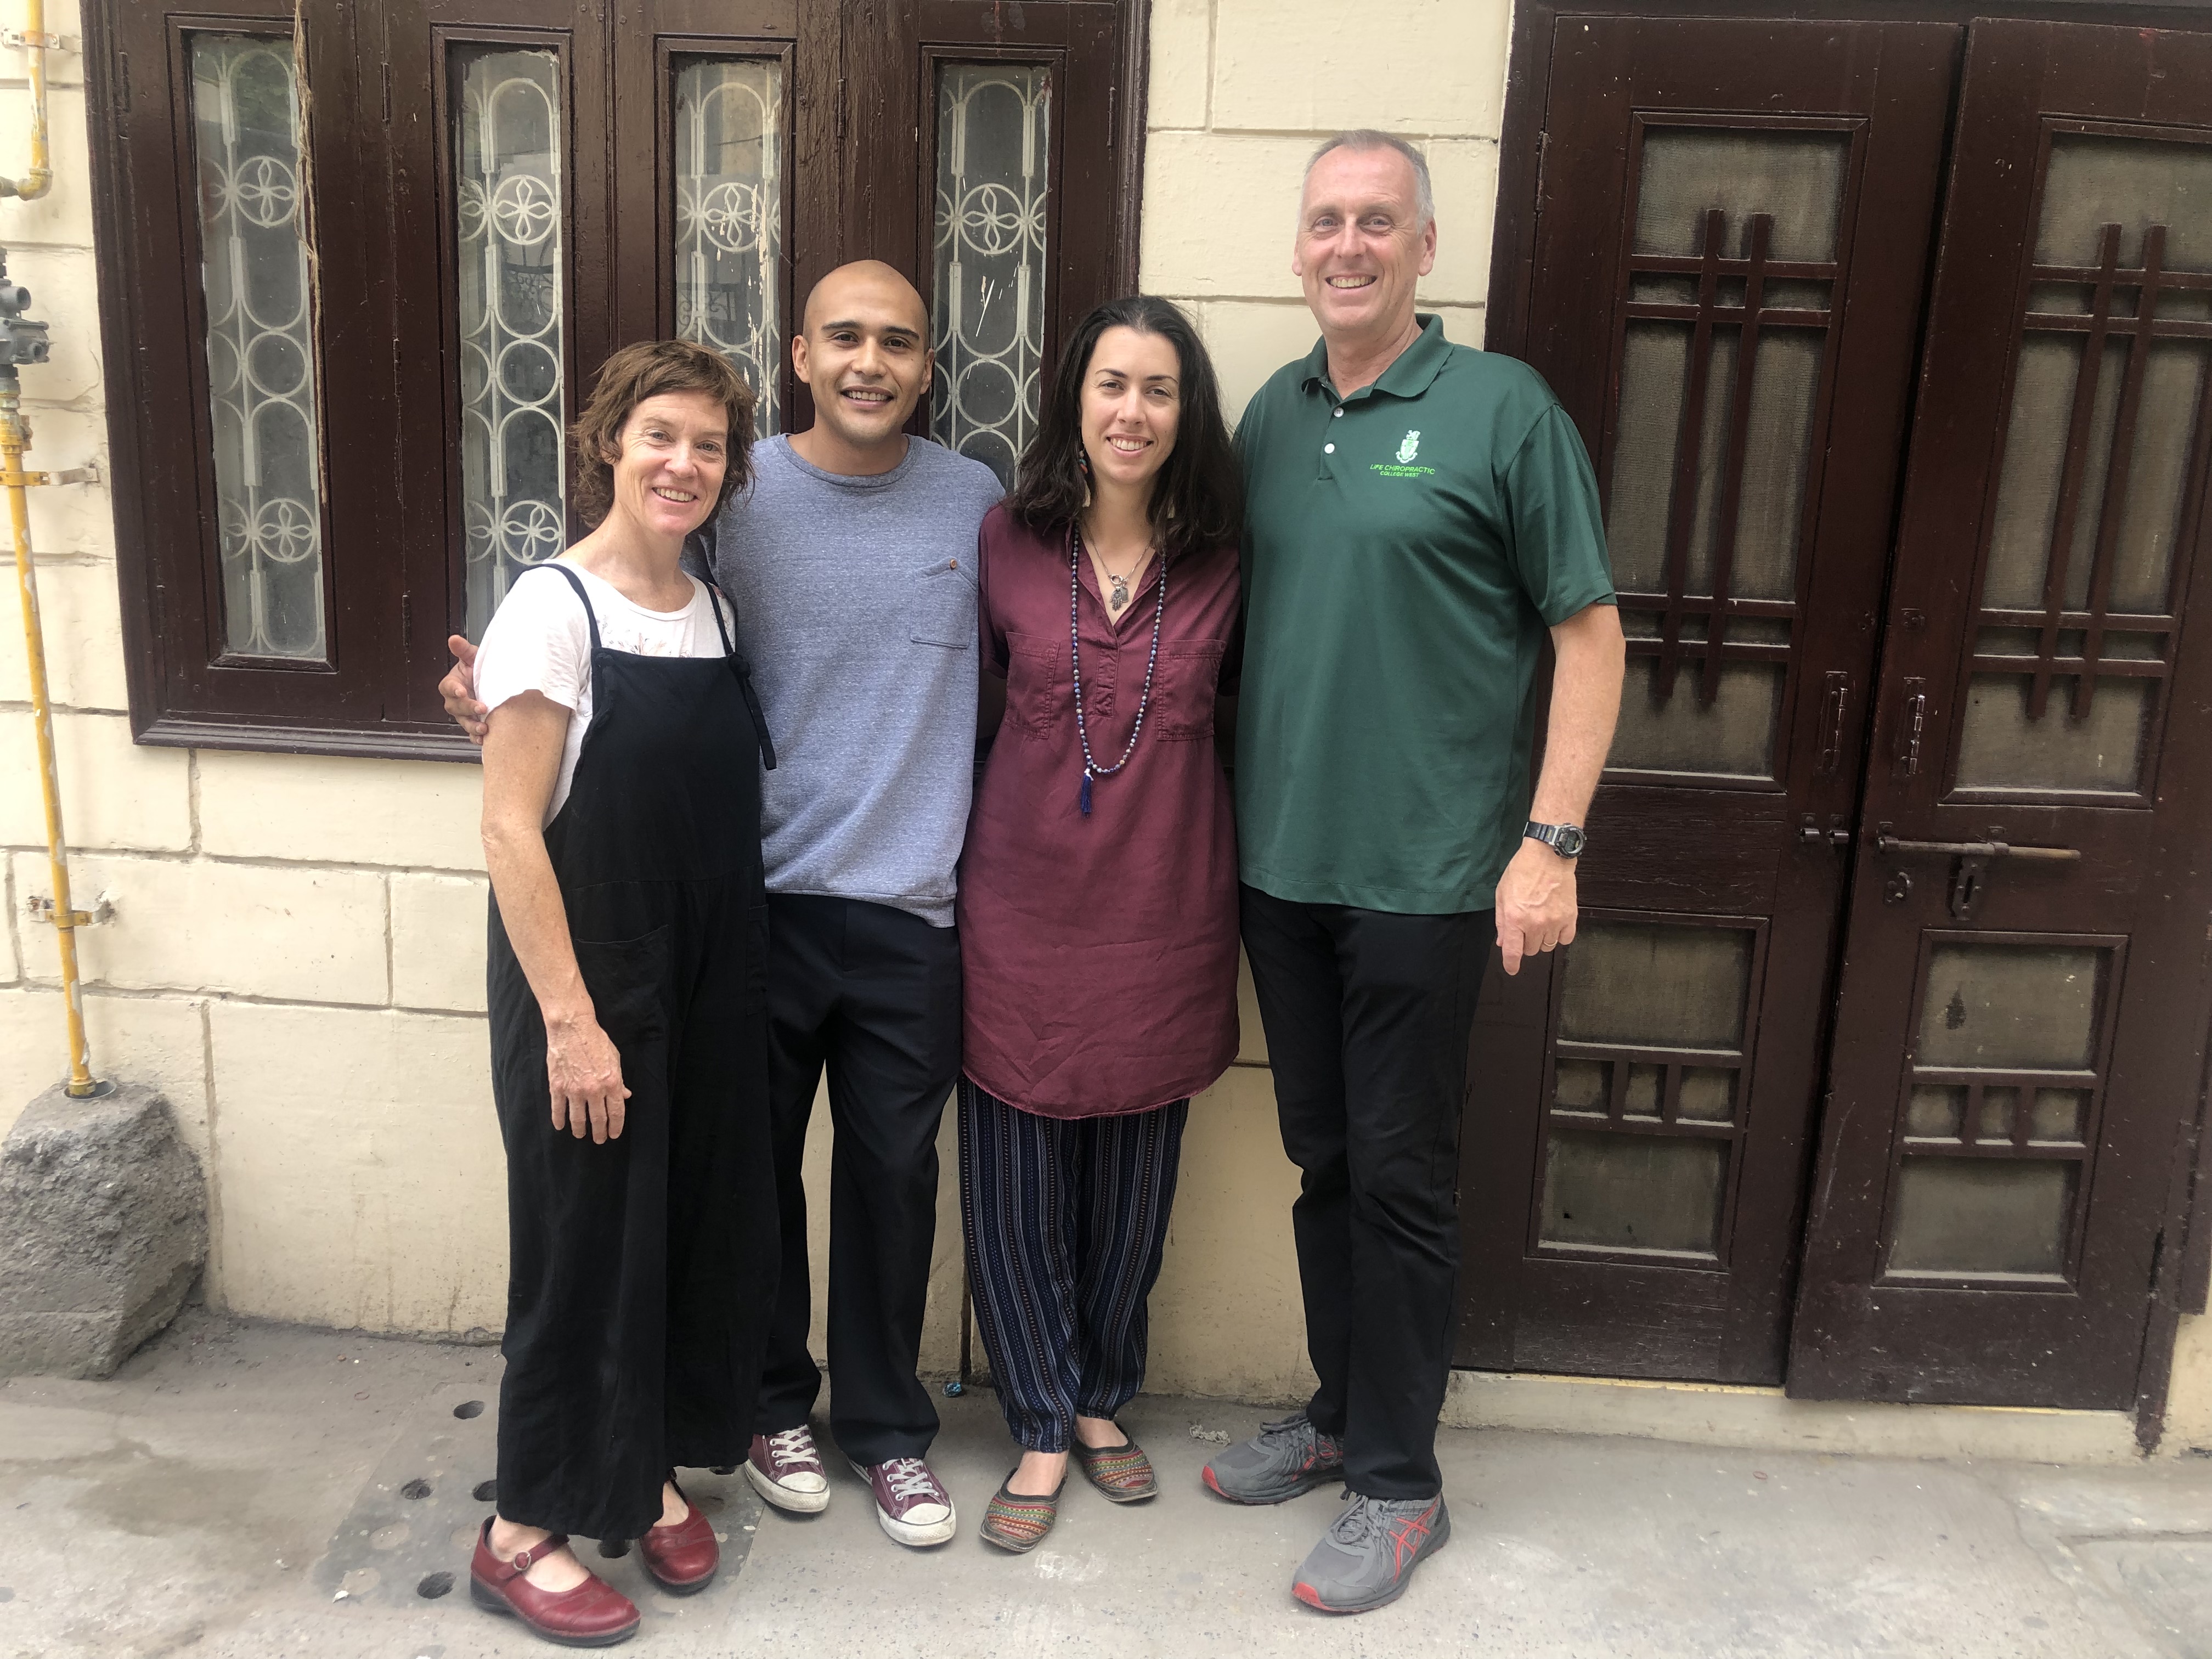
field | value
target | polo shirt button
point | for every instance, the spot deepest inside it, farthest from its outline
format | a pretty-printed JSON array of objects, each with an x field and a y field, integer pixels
[
  {"x": 1336, "y": 414},
  {"x": 1328, "y": 449}
]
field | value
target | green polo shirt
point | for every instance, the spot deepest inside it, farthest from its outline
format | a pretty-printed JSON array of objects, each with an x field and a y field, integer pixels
[{"x": 1406, "y": 549}]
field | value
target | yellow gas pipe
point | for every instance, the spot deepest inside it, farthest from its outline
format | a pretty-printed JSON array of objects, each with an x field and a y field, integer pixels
[
  {"x": 35, "y": 41},
  {"x": 14, "y": 438}
]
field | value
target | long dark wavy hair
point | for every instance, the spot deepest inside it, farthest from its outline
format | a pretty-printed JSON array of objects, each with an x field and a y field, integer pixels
[{"x": 1198, "y": 495}]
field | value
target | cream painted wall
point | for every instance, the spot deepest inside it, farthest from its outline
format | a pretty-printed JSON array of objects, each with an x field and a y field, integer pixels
[{"x": 296, "y": 950}]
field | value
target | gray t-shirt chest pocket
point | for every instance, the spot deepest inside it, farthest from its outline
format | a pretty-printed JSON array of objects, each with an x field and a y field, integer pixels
[{"x": 942, "y": 606}]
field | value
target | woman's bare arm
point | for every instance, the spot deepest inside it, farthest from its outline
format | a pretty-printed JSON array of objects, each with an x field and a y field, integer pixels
[{"x": 521, "y": 762}]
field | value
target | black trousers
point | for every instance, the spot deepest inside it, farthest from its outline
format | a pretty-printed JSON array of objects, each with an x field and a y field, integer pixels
[
  {"x": 1368, "y": 1015},
  {"x": 872, "y": 995}
]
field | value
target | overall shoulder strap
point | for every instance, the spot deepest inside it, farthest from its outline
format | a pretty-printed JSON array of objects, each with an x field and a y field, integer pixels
[
  {"x": 744, "y": 671},
  {"x": 577, "y": 582},
  {"x": 714, "y": 603}
]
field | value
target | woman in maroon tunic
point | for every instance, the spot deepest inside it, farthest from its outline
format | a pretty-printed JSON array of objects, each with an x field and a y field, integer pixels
[{"x": 1097, "y": 902}]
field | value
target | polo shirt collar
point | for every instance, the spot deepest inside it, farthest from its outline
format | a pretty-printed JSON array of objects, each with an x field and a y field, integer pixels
[{"x": 1409, "y": 376}]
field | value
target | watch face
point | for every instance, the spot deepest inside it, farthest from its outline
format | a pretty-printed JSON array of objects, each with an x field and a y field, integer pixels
[{"x": 1569, "y": 843}]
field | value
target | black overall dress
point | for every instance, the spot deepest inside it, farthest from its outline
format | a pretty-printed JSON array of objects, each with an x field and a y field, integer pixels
[{"x": 642, "y": 1272}]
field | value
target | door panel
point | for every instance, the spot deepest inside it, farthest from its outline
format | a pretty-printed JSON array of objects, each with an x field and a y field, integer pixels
[
  {"x": 2019, "y": 1033},
  {"x": 1634, "y": 1160}
]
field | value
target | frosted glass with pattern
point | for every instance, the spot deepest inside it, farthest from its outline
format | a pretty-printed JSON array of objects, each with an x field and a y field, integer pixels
[{"x": 260, "y": 345}]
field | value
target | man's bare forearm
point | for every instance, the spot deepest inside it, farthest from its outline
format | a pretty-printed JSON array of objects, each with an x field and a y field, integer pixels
[{"x": 1589, "y": 658}]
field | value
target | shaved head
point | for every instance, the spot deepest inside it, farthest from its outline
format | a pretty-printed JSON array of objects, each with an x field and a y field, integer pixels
[
  {"x": 862, "y": 349},
  {"x": 866, "y": 286}
]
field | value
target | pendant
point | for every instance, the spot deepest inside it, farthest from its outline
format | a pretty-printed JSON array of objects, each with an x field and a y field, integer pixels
[{"x": 1121, "y": 595}]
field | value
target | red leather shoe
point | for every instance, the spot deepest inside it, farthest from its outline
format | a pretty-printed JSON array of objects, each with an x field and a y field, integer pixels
[
  {"x": 684, "y": 1557},
  {"x": 594, "y": 1614}
]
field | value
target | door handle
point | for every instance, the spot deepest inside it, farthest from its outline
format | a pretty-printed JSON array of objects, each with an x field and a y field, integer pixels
[
  {"x": 1910, "y": 726},
  {"x": 1832, "y": 704},
  {"x": 1974, "y": 849}
]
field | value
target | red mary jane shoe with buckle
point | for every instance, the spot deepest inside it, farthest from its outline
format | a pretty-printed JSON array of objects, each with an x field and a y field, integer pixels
[
  {"x": 593, "y": 1614},
  {"x": 683, "y": 1557}
]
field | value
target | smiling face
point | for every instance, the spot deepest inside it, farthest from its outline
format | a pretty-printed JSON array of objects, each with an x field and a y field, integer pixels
[
  {"x": 671, "y": 459},
  {"x": 1132, "y": 402},
  {"x": 1361, "y": 244},
  {"x": 864, "y": 353}
]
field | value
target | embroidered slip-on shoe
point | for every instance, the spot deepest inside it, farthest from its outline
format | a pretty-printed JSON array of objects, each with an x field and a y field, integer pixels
[
  {"x": 684, "y": 1557},
  {"x": 1367, "y": 1557},
  {"x": 1288, "y": 1457},
  {"x": 787, "y": 1470},
  {"x": 592, "y": 1614},
  {"x": 912, "y": 1505},
  {"x": 1123, "y": 1472},
  {"x": 1017, "y": 1523}
]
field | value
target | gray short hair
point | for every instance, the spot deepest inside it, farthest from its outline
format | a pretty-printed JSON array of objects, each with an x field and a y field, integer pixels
[{"x": 1360, "y": 140}]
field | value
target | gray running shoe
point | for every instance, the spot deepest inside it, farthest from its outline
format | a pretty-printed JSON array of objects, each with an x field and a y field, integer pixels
[
  {"x": 1285, "y": 1459},
  {"x": 1367, "y": 1557}
]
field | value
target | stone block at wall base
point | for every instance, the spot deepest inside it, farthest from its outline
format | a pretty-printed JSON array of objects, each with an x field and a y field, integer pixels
[{"x": 103, "y": 1225}]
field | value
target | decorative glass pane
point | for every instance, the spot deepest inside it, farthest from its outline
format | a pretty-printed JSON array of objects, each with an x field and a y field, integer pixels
[
  {"x": 2003, "y": 746},
  {"x": 1708, "y": 1094},
  {"x": 1998, "y": 1105},
  {"x": 1983, "y": 1215},
  {"x": 1778, "y": 443},
  {"x": 2094, "y": 181},
  {"x": 507, "y": 202},
  {"x": 2011, "y": 1007},
  {"x": 2058, "y": 1114},
  {"x": 1629, "y": 1192},
  {"x": 260, "y": 345},
  {"x": 1656, "y": 984},
  {"x": 1582, "y": 1085},
  {"x": 1795, "y": 177},
  {"x": 729, "y": 208},
  {"x": 2033, "y": 473},
  {"x": 993, "y": 163},
  {"x": 1731, "y": 736},
  {"x": 1935, "y": 1113}
]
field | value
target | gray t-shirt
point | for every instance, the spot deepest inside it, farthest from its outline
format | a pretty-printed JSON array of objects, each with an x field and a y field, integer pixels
[{"x": 856, "y": 605}]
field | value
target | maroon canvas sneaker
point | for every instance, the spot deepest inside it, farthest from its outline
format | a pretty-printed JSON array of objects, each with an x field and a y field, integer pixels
[
  {"x": 911, "y": 1504},
  {"x": 785, "y": 1470}
]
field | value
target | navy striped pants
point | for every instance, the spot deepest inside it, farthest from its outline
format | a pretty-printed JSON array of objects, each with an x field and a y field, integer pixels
[{"x": 1066, "y": 1219}]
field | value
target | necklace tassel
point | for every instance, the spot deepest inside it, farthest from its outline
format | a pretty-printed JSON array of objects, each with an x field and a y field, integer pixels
[{"x": 1083, "y": 796}]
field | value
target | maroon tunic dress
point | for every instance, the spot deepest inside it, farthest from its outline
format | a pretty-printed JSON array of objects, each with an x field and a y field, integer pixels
[{"x": 1098, "y": 954}]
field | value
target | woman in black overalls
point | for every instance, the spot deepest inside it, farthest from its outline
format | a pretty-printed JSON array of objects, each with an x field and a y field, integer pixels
[{"x": 626, "y": 988}]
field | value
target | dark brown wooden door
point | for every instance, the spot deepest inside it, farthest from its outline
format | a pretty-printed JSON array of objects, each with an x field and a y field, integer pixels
[
  {"x": 1734, "y": 225},
  {"x": 2019, "y": 1040}
]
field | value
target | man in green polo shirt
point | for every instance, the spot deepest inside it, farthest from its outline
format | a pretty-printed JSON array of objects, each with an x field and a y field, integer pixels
[{"x": 1419, "y": 517}]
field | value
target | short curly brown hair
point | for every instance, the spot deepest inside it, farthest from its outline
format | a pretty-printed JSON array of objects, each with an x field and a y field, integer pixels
[{"x": 648, "y": 369}]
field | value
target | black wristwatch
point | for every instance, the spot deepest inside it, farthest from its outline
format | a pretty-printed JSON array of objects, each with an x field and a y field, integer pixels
[{"x": 1566, "y": 840}]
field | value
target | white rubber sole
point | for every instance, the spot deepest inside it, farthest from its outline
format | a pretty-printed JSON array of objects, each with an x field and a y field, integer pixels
[
  {"x": 798, "y": 1502},
  {"x": 915, "y": 1534}
]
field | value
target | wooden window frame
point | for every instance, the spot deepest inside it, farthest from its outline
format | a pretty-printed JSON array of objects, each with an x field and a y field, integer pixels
[{"x": 388, "y": 410}]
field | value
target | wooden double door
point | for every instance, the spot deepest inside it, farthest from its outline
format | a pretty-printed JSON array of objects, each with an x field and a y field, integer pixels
[{"x": 1882, "y": 1040}]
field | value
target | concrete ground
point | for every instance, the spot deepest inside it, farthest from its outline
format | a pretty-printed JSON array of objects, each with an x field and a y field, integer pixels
[{"x": 264, "y": 1491}]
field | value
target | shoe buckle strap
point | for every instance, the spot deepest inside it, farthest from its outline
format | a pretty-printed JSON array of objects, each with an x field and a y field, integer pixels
[{"x": 526, "y": 1560}]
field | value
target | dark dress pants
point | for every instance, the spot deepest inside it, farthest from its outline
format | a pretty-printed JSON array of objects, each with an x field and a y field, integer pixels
[
  {"x": 1368, "y": 1014},
  {"x": 872, "y": 995}
]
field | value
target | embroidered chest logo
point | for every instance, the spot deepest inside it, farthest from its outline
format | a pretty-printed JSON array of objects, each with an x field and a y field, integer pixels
[{"x": 1403, "y": 466}]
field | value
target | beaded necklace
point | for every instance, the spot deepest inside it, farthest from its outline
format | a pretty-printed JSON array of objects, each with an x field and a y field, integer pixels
[{"x": 1092, "y": 767}]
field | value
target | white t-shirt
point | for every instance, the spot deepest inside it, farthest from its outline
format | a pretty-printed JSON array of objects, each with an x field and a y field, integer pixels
[{"x": 539, "y": 640}]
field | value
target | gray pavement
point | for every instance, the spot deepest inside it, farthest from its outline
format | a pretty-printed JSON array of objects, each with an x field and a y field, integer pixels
[{"x": 217, "y": 1496}]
